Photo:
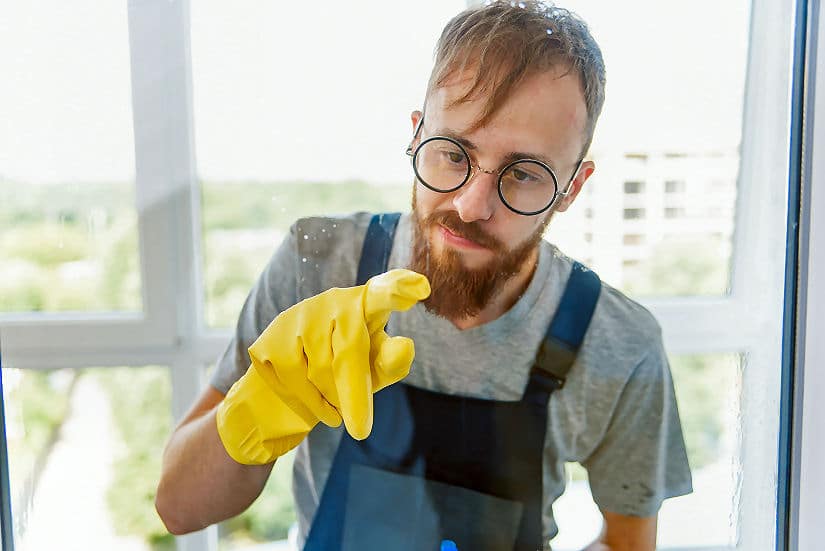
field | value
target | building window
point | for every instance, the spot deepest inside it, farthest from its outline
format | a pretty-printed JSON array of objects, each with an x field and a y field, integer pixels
[
  {"x": 674, "y": 186},
  {"x": 634, "y": 214},
  {"x": 634, "y": 187},
  {"x": 636, "y": 157},
  {"x": 633, "y": 239},
  {"x": 588, "y": 237},
  {"x": 674, "y": 212}
]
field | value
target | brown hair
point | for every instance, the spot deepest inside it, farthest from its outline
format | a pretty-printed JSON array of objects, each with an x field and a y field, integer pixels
[{"x": 505, "y": 42}]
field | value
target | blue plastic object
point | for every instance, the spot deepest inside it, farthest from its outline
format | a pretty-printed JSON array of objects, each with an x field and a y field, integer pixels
[{"x": 448, "y": 545}]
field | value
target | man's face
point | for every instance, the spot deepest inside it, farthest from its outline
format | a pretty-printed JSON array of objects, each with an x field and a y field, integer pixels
[{"x": 469, "y": 238}]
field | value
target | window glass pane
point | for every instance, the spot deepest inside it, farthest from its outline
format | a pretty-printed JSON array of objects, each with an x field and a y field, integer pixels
[
  {"x": 634, "y": 186},
  {"x": 280, "y": 136},
  {"x": 656, "y": 218},
  {"x": 84, "y": 450},
  {"x": 708, "y": 390},
  {"x": 68, "y": 233},
  {"x": 677, "y": 130}
]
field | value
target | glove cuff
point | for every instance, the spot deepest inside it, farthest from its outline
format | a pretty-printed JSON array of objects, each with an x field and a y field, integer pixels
[{"x": 255, "y": 426}]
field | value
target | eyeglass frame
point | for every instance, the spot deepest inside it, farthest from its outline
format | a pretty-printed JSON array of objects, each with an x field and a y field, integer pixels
[{"x": 471, "y": 168}]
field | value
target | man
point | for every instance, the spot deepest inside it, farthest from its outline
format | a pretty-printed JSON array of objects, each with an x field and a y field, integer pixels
[{"x": 523, "y": 359}]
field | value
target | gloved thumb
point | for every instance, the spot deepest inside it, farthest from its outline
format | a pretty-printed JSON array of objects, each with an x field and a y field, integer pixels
[{"x": 393, "y": 357}]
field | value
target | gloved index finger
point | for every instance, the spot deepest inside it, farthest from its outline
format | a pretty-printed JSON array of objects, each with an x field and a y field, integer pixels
[
  {"x": 396, "y": 290},
  {"x": 351, "y": 372}
]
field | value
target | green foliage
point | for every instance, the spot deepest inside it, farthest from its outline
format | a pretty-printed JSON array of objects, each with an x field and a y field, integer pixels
[
  {"x": 707, "y": 388},
  {"x": 141, "y": 400},
  {"x": 46, "y": 245},
  {"x": 25, "y": 291},
  {"x": 68, "y": 247},
  {"x": 682, "y": 268},
  {"x": 276, "y": 205},
  {"x": 120, "y": 285},
  {"x": 43, "y": 401}
]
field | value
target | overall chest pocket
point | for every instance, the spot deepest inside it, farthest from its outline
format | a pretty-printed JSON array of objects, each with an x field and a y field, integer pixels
[{"x": 390, "y": 511}]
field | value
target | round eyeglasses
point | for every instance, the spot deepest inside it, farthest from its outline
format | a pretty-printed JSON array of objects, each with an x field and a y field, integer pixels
[{"x": 525, "y": 186}]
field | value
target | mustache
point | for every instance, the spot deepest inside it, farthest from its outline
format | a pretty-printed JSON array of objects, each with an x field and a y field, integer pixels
[{"x": 467, "y": 230}]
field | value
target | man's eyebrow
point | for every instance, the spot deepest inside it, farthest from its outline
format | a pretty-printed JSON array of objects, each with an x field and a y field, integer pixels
[
  {"x": 518, "y": 156},
  {"x": 457, "y": 137},
  {"x": 509, "y": 158}
]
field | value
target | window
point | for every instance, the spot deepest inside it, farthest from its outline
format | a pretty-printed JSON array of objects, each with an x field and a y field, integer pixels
[
  {"x": 674, "y": 186},
  {"x": 68, "y": 225},
  {"x": 161, "y": 239},
  {"x": 674, "y": 212},
  {"x": 84, "y": 450},
  {"x": 634, "y": 214},
  {"x": 634, "y": 187}
]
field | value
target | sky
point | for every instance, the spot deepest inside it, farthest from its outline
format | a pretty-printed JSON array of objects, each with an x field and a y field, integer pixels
[{"x": 324, "y": 90}]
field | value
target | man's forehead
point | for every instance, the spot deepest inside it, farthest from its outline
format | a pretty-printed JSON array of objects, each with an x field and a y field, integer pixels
[{"x": 547, "y": 111}]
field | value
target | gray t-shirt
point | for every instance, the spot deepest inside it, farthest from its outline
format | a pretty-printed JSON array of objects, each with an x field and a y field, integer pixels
[{"x": 616, "y": 414}]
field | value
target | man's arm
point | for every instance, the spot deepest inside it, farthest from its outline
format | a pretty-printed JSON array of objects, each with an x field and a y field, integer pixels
[
  {"x": 200, "y": 484},
  {"x": 625, "y": 533}
]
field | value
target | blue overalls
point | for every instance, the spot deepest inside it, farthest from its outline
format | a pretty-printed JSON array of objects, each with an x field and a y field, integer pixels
[{"x": 442, "y": 467}]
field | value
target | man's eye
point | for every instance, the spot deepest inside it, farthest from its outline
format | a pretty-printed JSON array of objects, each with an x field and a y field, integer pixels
[
  {"x": 523, "y": 176},
  {"x": 455, "y": 157}
]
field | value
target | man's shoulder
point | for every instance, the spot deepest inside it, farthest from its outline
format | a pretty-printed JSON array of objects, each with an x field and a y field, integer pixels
[
  {"x": 621, "y": 328},
  {"x": 330, "y": 228},
  {"x": 625, "y": 318},
  {"x": 328, "y": 250},
  {"x": 615, "y": 310},
  {"x": 623, "y": 344}
]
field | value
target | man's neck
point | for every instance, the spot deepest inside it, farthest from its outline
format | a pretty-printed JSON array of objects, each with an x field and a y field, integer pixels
[{"x": 503, "y": 300}]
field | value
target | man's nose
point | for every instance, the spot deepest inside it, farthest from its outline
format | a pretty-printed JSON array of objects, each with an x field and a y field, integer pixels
[{"x": 477, "y": 198}]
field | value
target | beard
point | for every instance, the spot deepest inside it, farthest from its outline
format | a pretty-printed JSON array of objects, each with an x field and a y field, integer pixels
[{"x": 458, "y": 291}]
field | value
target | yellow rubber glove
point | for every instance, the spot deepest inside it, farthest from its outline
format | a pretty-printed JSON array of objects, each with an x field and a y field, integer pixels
[{"x": 321, "y": 359}]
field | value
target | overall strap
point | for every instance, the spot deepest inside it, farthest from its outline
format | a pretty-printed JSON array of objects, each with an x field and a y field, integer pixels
[
  {"x": 377, "y": 246},
  {"x": 566, "y": 332}
]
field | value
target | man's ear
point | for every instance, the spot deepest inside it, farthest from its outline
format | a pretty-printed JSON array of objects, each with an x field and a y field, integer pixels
[
  {"x": 415, "y": 116},
  {"x": 585, "y": 170}
]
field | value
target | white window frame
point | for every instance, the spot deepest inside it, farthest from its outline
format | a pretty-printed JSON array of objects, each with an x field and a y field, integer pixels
[{"x": 171, "y": 330}]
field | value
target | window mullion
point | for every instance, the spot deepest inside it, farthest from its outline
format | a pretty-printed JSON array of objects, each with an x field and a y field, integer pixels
[
  {"x": 166, "y": 184},
  {"x": 164, "y": 161},
  {"x": 757, "y": 279}
]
